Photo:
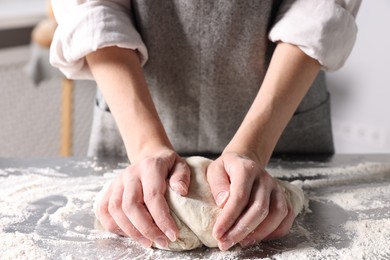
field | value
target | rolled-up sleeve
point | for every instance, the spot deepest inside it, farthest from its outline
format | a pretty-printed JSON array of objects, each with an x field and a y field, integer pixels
[
  {"x": 84, "y": 27},
  {"x": 323, "y": 29}
]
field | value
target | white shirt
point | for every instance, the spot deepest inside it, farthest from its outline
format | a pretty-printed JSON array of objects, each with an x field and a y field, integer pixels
[{"x": 323, "y": 29}]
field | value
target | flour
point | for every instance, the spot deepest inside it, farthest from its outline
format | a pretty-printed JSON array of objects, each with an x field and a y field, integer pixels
[
  {"x": 20, "y": 246},
  {"x": 362, "y": 169},
  {"x": 372, "y": 239},
  {"x": 357, "y": 199},
  {"x": 47, "y": 214},
  {"x": 3, "y": 173}
]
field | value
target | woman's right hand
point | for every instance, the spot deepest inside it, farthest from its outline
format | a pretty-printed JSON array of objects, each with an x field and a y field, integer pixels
[{"x": 134, "y": 204}]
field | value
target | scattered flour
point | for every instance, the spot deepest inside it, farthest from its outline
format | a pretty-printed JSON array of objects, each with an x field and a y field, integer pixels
[
  {"x": 372, "y": 239},
  {"x": 358, "y": 199},
  {"x": 47, "y": 214},
  {"x": 371, "y": 242},
  {"x": 20, "y": 246},
  {"x": 361, "y": 170}
]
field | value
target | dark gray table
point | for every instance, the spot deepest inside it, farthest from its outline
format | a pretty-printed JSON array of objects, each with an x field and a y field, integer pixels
[{"x": 322, "y": 228}]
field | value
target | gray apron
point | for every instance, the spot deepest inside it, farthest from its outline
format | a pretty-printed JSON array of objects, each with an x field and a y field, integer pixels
[{"x": 207, "y": 60}]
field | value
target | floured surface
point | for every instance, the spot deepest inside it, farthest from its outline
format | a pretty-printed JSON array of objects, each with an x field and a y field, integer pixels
[{"x": 47, "y": 213}]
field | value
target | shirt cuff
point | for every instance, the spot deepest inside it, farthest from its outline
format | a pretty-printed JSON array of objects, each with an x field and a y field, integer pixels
[
  {"x": 323, "y": 29},
  {"x": 91, "y": 26}
]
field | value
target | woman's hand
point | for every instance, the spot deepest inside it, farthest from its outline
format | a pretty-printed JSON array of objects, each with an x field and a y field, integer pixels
[
  {"x": 134, "y": 205},
  {"x": 254, "y": 206}
]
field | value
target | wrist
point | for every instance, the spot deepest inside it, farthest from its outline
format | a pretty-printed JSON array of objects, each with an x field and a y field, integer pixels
[
  {"x": 248, "y": 151},
  {"x": 120, "y": 78},
  {"x": 256, "y": 139},
  {"x": 146, "y": 146}
]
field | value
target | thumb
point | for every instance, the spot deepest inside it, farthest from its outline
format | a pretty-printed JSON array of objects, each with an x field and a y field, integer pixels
[
  {"x": 180, "y": 177},
  {"x": 219, "y": 183}
]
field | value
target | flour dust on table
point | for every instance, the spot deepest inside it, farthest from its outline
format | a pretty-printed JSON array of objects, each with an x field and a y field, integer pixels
[{"x": 47, "y": 213}]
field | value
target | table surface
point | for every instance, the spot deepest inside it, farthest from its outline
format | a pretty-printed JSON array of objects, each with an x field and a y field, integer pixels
[{"x": 317, "y": 231}]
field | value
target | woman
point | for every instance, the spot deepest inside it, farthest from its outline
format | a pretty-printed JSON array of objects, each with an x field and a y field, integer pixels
[{"x": 239, "y": 79}]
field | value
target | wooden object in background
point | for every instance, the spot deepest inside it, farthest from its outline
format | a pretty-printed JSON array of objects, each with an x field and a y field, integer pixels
[
  {"x": 42, "y": 34},
  {"x": 67, "y": 118}
]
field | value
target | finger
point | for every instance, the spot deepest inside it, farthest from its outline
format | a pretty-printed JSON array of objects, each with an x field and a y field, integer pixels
[
  {"x": 256, "y": 212},
  {"x": 278, "y": 211},
  {"x": 103, "y": 214},
  {"x": 135, "y": 210},
  {"x": 180, "y": 177},
  {"x": 219, "y": 182},
  {"x": 154, "y": 188},
  {"x": 284, "y": 227},
  {"x": 242, "y": 178},
  {"x": 101, "y": 201},
  {"x": 115, "y": 209}
]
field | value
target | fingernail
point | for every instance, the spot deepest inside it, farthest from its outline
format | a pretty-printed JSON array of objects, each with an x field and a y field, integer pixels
[
  {"x": 161, "y": 241},
  {"x": 171, "y": 235},
  {"x": 225, "y": 245},
  {"x": 221, "y": 197},
  {"x": 145, "y": 242},
  {"x": 180, "y": 187},
  {"x": 247, "y": 242}
]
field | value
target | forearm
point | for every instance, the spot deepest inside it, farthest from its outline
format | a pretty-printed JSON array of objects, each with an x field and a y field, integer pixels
[
  {"x": 289, "y": 76},
  {"x": 119, "y": 76}
]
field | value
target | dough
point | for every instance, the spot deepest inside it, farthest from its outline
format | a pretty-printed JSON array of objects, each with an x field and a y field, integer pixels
[
  {"x": 195, "y": 214},
  {"x": 197, "y": 211}
]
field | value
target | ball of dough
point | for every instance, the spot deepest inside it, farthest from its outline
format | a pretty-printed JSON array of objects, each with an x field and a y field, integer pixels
[
  {"x": 197, "y": 210},
  {"x": 196, "y": 213}
]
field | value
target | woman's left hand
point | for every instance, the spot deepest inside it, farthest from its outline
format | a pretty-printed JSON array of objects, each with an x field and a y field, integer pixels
[{"x": 254, "y": 206}]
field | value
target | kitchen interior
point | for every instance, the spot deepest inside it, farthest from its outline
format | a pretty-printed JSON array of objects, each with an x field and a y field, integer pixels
[{"x": 47, "y": 116}]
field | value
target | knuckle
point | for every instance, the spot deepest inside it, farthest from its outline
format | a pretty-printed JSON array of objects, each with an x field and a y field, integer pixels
[
  {"x": 130, "y": 208},
  {"x": 280, "y": 233},
  {"x": 241, "y": 195},
  {"x": 129, "y": 175},
  {"x": 243, "y": 166},
  {"x": 130, "y": 231},
  {"x": 281, "y": 207},
  {"x": 111, "y": 226},
  {"x": 102, "y": 209},
  {"x": 260, "y": 208},
  {"x": 247, "y": 164},
  {"x": 127, "y": 207},
  {"x": 250, "y": 165},
  {"x": 267, "y": 179},
  {"x": 151, "y": 195},
  {"x": 149, "y": 231},
  {"x": 244, "y": 229},
  {"x": 152, "y": 161},
  {"x": 115, "y": 204},
  {"x": 129, "y": 169},
  {"x": 130, "y": 200},
  {"x": 182, "y": 164}
]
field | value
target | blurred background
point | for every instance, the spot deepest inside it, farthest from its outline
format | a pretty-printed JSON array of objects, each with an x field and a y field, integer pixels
[{"x": 49, "y": 116}]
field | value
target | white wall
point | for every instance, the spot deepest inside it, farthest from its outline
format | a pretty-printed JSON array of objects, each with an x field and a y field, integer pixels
[
  {"x": 361, "y": 89},
  {"x": 21, "y": 13}
]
